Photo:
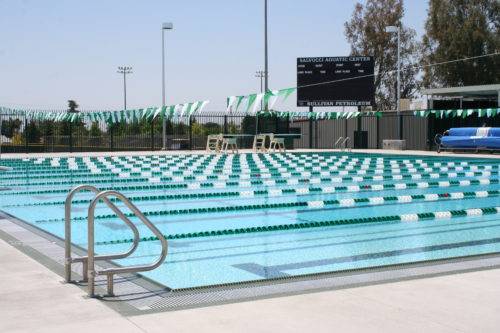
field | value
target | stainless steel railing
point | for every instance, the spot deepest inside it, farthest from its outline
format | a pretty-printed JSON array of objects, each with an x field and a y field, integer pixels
[
  {"x": 344, "y": 144},
  {"x": 68, "y": 259},
  {"x": 341, "y": 143},
  {"x": 110, "y": 272},
  {"x": 338, "y": 142}
]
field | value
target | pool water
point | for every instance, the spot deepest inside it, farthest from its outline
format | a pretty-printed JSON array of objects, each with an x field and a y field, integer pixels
[{"x": 247, "y": 217}]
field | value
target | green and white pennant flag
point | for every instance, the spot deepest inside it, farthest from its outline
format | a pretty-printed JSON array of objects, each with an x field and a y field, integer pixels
[
  {"x": 285, "y": 93},
  {"x": 271, "y": 98},
  {"x": 60, "y": 116},
  {"x": 171, "y": 111},
  {"x": 239, "y": 99},
  {"x": 194, "y": 108},
  {"x": 230, "y": 102},
  {"x": 202, "y": 106},
  {"x": 256, "y": 104},
  {"x": 198, "y": 107},
  {"x": 178, "y": 109},
  {"x": 155, "y": 112},
  {"x": 185, "y": 109},
  {"x": 251, "y": 99}
]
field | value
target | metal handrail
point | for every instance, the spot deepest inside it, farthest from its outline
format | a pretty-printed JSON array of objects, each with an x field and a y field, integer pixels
[
  {"x": 110, "y": 272},
  {"x": 68, "y": 260},
  {"x": 338, "y": 141},
  {"x": 344, "y": 143}
]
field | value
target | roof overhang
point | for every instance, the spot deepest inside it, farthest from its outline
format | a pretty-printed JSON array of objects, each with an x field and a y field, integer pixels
[{"x": 488, "y": 90}]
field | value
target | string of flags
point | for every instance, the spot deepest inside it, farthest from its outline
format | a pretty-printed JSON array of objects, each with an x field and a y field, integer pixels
[
  {"x": 173, "y": 111},
  {"x": 319, "y": 115},
  {"x": 461, "y": 113},
  {"x": 251, "y": 103},
  {"x": 248, "y": 105}
]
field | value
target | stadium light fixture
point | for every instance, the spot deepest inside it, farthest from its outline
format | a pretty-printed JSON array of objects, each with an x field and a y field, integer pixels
[{"x": 124, "y": 70}]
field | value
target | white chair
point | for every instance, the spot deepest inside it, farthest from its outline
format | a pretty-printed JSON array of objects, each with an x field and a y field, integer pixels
[
  {"x": 214, "y": 142},
  {"x": 259, "y": 143},
  {"x": 276, "y": 142},
  {"x": 229, "y": 143}
]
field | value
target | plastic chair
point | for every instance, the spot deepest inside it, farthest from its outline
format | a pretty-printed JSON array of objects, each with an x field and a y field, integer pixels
[
  {"x": 229, "y": 143},
  {"x": 276, "y": 142},
  {"x": 214, "y": 143},
  {"x": 259, "y": 143}
]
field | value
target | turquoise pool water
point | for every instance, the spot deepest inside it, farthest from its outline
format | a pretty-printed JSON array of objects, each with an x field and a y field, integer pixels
[{"x": 236, "y": 218}]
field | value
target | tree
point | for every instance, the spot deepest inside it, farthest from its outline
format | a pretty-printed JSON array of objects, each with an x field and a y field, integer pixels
[
  {"x": 10, "y": 127},
  {"x": 32, "y": 132},
  {"x": 72, "y": 105},
  {"x": 457, "y": 29},
  {"x": 95, "y": 130},
  {"x": 366, "y": 33}
]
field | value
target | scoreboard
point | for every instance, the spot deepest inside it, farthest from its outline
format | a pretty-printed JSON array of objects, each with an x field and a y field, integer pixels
[{"x": 335, "y": 81}]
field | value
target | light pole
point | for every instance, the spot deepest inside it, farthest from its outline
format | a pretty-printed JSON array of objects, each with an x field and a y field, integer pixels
[
  {"x": 124, "y": 70},
  {"x": 164, "y": 26},
  {"x": 266, "y": 63},
  {"x": 261, "y": 75},
  {"x": 397, "y": 30}
]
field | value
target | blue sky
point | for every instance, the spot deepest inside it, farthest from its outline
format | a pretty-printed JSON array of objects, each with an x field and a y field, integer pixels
[{"x": 51, "y": 51}]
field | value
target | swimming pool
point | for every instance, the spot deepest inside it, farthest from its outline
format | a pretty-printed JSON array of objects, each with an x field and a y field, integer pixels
[{"x": 247, "y": 217}]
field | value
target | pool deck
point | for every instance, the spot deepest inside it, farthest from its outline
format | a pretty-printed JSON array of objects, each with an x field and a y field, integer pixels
[{"x": 33, "y": 299}]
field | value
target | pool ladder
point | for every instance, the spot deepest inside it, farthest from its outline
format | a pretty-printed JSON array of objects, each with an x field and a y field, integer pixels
[
  {"x": 89, "y": 272},
  {"x": 341, "y": 143}
]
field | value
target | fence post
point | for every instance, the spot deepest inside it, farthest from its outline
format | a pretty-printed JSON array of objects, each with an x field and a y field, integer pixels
[
  {"x": 345, "y": 128},
  {"x": 25, "y": 133},
  {"x": 152, "y": 134},
  {"x": 225, "y": 124},
  {"x": 316, "y": 133},
  {"x": 400, "y": 120},
  {"x": 70, "y": 136},
  {"x": 111, "y": 143},
  {"x": 190, "y": 133},
  {"x": 310, "y": 129},
  {"x": 377, "y": 132}
]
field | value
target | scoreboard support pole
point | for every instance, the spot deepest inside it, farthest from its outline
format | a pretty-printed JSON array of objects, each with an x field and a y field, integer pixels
[{"x": 311, "y": 109}]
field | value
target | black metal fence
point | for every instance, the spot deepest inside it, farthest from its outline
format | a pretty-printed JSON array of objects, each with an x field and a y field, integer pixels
[{"x": 22, "y": 135}]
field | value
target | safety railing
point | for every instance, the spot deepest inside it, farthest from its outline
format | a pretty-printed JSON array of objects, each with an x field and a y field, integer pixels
[
  {"x": 110, "y": 272},
  {"x": 336, "y": 144},
  {"x": 341, "y": 143},
  {"x": 344, "y": 144},
  {"x": 88, "y": 262},
  {"x": 67, "y": 234}
]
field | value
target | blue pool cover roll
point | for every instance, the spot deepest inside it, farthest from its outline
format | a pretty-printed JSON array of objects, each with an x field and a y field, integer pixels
[
  {"x": 462, "y": 132},
  {"x": 470, "y": 137}
]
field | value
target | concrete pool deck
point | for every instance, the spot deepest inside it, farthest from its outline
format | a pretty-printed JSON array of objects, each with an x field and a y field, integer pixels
[{"x": 32, "y": 299}]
